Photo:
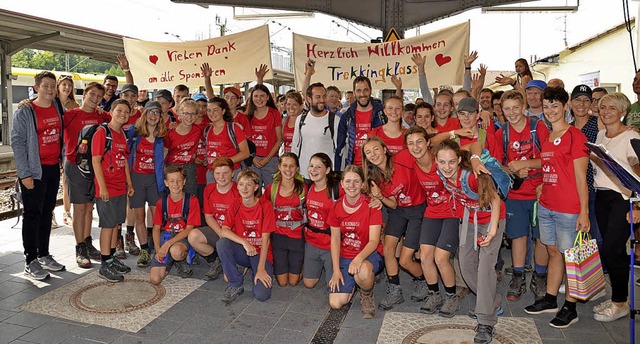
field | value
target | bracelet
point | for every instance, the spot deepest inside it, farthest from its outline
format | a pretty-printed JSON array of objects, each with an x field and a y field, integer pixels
[
  {"x": 467, "y": 68},
  {"x": 514, "y": 83},
  {"x": 125, "y": 70},
  {"x": 475, "y": 156},
  {"x": 452, "y": 134}
]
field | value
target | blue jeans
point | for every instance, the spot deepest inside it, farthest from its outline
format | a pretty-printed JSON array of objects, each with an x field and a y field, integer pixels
[
  {"x": 556, "y": 228},
  {"x": 231, "y": 254}
]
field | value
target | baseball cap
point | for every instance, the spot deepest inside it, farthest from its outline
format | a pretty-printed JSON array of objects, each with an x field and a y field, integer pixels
[
  {"x": 539, "y": 84},
  {"x": 199, "y": 97},
  {"x": 166, "y": 95},
  {"x": 129, "y": 88},
  {"x": 153, "y": 105},
  {"x": 233, "y": 90},
  {"x": 468, "y": 104},
  {"x": 582, "y": 90}
]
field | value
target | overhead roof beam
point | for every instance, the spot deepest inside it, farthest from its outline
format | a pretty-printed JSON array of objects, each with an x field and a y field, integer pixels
[{"x": 17, "y": 45}]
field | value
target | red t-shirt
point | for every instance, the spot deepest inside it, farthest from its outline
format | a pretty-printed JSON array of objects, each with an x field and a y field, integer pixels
[
  {"x": 452, "y": 124},
  {"x": 216, "y": 203},
  {"x": 439, "y": 202},
  {"x": 263, "y": 131},
  {"x": 559, "y": 189},
  {"x": 250, "y": 223},
  {"x": 74, "y": 121},
  {"x": 318, "y": 207},
  {"x": 286, "y": 209},
  {"x": 242, "y": 120},
  {"x": 143, "y": 161},
  {"x": 521, "y": 147},
  {"x": 133, "y": 118},
  {"x": 287, "y": 136},
  {"x": 462, "y": 200},
  {"x": 182, "y": 148},
  {"x": 354, "y": 228},
  {"x": 49, "y": 128},
  {"x": 394, "y": 145},
  {"x": 171, "y": 118},
  {"x": 113, "y": 161},
  {"x": 403, "y": 185},
  {"x": 363, "y": 128},
  {"x": 174, "y": 214},
  {"x": 201, "y": 155},
  {"x": 221, "y": 145}
]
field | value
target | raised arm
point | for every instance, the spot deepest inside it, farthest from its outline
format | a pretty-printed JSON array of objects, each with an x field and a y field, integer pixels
[
  {"x": 260, "y": 73},
  {"x": 206, "y": 74},
  {"x": 123, "y": 63},
  {"x": 419, "y": 60},
  {"x": 468, "y": 60},
  {"x": 309, "y": 70}
]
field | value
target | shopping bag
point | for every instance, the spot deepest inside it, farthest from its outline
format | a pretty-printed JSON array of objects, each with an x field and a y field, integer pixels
[{"x": 584, "y": 268}]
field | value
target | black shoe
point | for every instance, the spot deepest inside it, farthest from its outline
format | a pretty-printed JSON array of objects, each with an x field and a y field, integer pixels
[
  {"x": 93, "y": 252},
  {"x": 109, "y": 273},
  {"x": 564, "y": 318},
  {"x": 542, "y": 306},
  {"x": 120, "y": 266},
  {"x": 484, "y": 334}
]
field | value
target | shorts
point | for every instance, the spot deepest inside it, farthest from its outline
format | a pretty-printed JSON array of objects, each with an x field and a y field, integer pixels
[
  {"x": 155, "y": 263},
  {"x": 209, "y": 234},
  {"x": 519, "y": 216},
  {"x": 349, "y": 281},
  {"x": 112, "y": 212},
  {"x": 557, "y": 229},
  {"x": 288, "y": 254},
  {"x": 81, "y": 190},
  {"x": 146, "y": 190},
  {"x": 407, "y": 221},
  {"x": 314, "y": 259},
  {"x": 441, "y": 233}
]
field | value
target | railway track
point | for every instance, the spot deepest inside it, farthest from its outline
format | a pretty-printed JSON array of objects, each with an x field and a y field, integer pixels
[{"x": 7, "y": 182}]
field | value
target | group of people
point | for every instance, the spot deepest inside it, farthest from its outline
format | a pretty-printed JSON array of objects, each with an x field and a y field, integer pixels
[{"x": 288, "y": 189}]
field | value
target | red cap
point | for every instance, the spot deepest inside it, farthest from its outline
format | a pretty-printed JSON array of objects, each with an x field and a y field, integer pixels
[{"x": 233, "y": 90}]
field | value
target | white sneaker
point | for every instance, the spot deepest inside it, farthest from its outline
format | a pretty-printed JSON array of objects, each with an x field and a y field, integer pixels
[
  {"x": 35, "y": 271},
  {"x": 612, "y": 313},
  {"x": 561, "y": 290},
  {"x": 48, "y": 263},
  {"x": 601, "y": 306}
]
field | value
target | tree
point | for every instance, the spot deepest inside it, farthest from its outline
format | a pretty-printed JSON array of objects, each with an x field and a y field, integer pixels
[{"x": 56, "y": 61}]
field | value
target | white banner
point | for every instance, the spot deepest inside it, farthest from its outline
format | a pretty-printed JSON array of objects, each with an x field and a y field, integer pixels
[
  {"x": 591, "y": 79},
  {"x": 232, "y": 58},
  {"x": 338, "y": 63}
]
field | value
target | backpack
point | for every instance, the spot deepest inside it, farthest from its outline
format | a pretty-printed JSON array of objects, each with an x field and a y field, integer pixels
[
  {"x": 186, "y": 201},
  {"x": 231, "y": 131},
  {"x": 533, "y": 131},
  {"x": 331, "y": 127},
  {"x": 84, "y": 160},
  {"x": 302, "y": 207}
]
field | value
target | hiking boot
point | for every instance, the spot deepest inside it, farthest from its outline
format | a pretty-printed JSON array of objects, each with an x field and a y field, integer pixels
[
  {"x": 120, "y": 254},
  {"x": 108, "y": 272},
  {"x": 450, "y": 306},
  {"x": 538, "y": 285},
  {"x": 542, "y": 306},
  {"x": 527, "y": 270},
  {"x": 82, "y": 256},
  {"x": 215, "y": 269},
  {"x": 484, "y": 334},
  {"x": 462, "y": 292},
  {"x": 432, "y": 303},
  {"x": 144, "y": 258},
  {"x": 611, "y": 312},
  {"x": 92, "y": 251},
  {"x": 184, "y": 269},
  {"x": 564, "y": 318},
  {"x": 420, "y": 291},
  {"x": 150, "y": 241},
  {"x": 231, "y": 293},
  {"x": 119, "y": 266},
  {"x": 367, "y": 304},
  {"x": 394, "y": 297},
  {"x": 48, "y": 263},
  {"x": 35, "y": 271},
  {"x": 517, "y": 286},
  {"x": 382, "y": 275},
  {"x": 130, "y": 244}
]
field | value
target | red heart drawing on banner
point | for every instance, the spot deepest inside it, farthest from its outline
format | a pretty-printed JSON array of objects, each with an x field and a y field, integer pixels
[
  {"x": 154, "y": 59},
  {"x": 442, "y": 60}
]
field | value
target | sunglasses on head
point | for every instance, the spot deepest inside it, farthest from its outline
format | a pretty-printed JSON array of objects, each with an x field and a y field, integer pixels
[{"x": 64, "y": 77}]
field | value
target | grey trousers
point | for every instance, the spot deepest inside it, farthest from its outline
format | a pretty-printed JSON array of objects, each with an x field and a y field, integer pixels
[{"x": 478, "y": 271}]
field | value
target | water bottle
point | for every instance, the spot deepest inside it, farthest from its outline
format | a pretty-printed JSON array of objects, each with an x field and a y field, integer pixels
[{"x": 83, "y": 147}]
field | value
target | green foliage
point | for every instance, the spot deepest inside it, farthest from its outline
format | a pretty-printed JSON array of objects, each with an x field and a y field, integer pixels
[{"x": 48, "y": 60}]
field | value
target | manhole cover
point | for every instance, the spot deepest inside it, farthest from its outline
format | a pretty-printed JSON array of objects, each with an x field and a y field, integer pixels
[
  {"x": 123, "y": 297},
  {"x": 449, "y": 334}
]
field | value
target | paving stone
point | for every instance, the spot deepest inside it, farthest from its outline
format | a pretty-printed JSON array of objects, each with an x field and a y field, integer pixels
[
  {"x": 311, "y": 302},
  {"x": 99, "y": 333},
  {"x": 233, "y": 336},
  {"x": 271, "y": 308},
  {"x": 204, "y": 326},
  {"x": 52, "y": 332},
  {"x": 6, "y": 314},
  {"x": 133, "y": 339},
  {"x": 578, "y": 336},
  {"x": 28, "y": 319},
  {"x": 9, "y": 332},
  {"x": 546, "y": 331},
  {"x": 159, "y": 329},
  {"x": 186, "y": 338},
  {"x": 279, "y": 335},
  {"x": 12, "y": 302},
  {"x": 9, "y": 288},
  {"x": 299, "y": 322},
  {"x": 255, "y": 324}
]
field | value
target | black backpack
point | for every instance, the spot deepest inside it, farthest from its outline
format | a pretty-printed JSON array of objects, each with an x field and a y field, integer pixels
[
  {"x": 186, "y": 201},
  {"x": 332, "y": 119},
  {"x": 232, "y": 135},
  {"x": 84, "y": 160}
]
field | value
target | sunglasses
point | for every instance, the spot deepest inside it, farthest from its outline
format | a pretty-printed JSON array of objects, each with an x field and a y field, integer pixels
[{"x": 64, "y": 77}]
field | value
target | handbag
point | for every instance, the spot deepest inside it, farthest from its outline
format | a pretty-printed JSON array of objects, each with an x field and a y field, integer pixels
[{"x": 584, "y": 268}]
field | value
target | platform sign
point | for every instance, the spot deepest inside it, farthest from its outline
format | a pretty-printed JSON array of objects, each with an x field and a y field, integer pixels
[{"x": 392, "y": 35}]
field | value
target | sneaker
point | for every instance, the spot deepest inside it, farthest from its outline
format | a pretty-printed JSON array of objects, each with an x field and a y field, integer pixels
[
  {"x": 499, "y": 311},
  {"x": 108, "y": 272},
  {"x": 636, "y": 263},
  {"x": 462, "y": 292},
  {"x": 562, "y": 289},
  {"x": 611, "y": 312},
  {"x": 394, "y": 297},
  {"x": 119, "y": 266},
  {"x": 517, "y": 286},
  {"x": 432, "y": 303},
  {"x": 35, "y": 271},
  {"x": 527, "y": 270},
  {"x": 67, "y": 219},
  {"x": 184, "y": 269},
  {"x": 231, "y": 293},
  {"x": 82, "y": 256},
  {"x": 93, "y": 252},
  {"x": 120, "y": 253},
  {"x": 143, "y": 259},
  {"x": 130, "y": 244},
  {"x": 367, "y": 305},
  {"x": 564, "y": 318},
  {"x": 450, "y": 306},
  {"x": 484, "y": 334},
  {"x": 601, "y": 306},
  {"x": 542, "y": 306},
  {"x": 215, "y": 269},
  {"x": 48, "y": 263},
  {"x": 420, "y": 291},
  {"x": 538, "y": 285}
]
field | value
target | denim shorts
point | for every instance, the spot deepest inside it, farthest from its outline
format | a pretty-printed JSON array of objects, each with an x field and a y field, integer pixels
[
  {"x": 557, "y": 228},
  {"x": 349, "y": 281},
  {"x": 519, "y": 215}
]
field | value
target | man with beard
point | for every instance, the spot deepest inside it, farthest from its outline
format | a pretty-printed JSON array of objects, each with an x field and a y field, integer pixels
[
  {"x": 111, "y": 83},
  {"x": 364, "y": 115},
  {"x": 315, "y": 127}
]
